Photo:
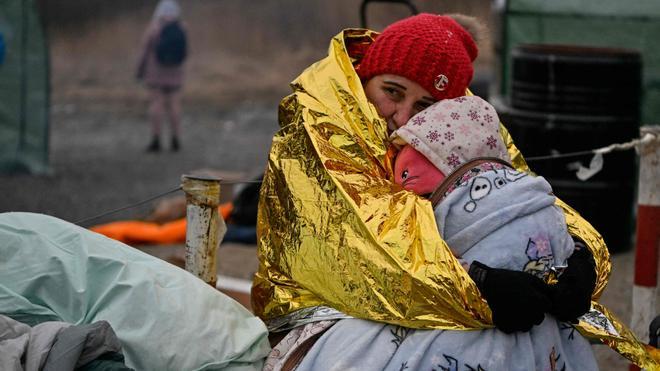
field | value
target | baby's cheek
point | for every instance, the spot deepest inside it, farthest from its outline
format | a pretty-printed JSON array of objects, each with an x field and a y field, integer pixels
[
  {"x": 398, "y": 172},
  {"x": 420, "y": 187}
]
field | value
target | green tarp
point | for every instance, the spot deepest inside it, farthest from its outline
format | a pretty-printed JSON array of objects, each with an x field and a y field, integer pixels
[
  {"x": 606, "y": 23},
  {"x": 24, "y": 95},
  {"x": 165, "y": 317}
]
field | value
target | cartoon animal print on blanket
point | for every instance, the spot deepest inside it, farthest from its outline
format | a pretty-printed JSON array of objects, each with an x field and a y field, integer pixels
[
  {"x": 540, "y": 255},
  {"x": 481, "y": 187}
]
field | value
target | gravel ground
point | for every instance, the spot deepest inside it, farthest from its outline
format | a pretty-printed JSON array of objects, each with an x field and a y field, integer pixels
[
  {"x": 98, "y": 164},
  {"x": 98, "y": 161}
]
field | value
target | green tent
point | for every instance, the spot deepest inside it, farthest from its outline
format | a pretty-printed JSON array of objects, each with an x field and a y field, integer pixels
[
  {"x": 543, "y": 124},
  {"x": 606, "y": 23},
  {"x": 24, "y": 89}
]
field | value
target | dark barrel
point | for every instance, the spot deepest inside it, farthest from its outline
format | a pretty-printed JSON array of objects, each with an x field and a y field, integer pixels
[
  {"x": 576, "y": 80},
  {"x": 570, "y": 99}
]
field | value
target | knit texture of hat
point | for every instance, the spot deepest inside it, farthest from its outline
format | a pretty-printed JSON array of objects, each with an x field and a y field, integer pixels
[
  {"x": 431, "y": 50},
  {"x": 453, "y": 131}
]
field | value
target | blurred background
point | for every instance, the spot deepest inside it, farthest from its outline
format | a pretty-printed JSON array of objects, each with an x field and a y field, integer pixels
[
  {"x": 238, "y": 51},
  {"x": 73, "y": 114},
  {"x": 565, "y": 76}
]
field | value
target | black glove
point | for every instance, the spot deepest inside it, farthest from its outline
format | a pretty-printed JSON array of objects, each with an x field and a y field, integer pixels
[
  {"x": 518, "y": 300},
  {"x": 571, "y": 296}
]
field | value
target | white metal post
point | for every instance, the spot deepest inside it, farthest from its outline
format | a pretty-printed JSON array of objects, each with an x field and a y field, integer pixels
[
  {"x": 204, "y": 226},
  {"x": 645, "y": 286}
]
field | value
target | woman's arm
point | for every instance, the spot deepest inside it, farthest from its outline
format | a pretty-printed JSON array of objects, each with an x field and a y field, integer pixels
[
  {"x": 519, "y": 300},
  {"x": 571, "y": 296}
]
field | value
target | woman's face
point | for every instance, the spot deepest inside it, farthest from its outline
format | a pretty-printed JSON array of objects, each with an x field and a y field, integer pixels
[{"x": 396, "y": 98}]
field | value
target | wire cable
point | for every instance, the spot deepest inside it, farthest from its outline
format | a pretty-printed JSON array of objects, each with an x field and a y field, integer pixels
[
  {"x": 559, "y": 155},
  {"x": 612, "y": 147},
  {"x": 139, "y": 203},
  {"x": 81, "y": 221},
  {"x": 647, "y": 138}
]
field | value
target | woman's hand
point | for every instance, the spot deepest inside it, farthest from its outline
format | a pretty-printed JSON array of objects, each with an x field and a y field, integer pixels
[
  {"x": 517, "y": 299},
  {"x": 571, "y": 296}
]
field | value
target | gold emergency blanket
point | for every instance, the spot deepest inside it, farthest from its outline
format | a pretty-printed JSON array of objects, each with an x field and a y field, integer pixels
[{"x": 335, "y": 230}]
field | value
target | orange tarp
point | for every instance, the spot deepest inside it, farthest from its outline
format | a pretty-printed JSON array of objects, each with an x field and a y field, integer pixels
[{"x": 139, "y": 232}]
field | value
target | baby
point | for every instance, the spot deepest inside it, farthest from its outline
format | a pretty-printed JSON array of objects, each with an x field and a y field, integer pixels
[{"x": 485, "y": 210}]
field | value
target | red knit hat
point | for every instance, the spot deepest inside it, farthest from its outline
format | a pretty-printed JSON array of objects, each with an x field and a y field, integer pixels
[{"x": 431, "y": 50}]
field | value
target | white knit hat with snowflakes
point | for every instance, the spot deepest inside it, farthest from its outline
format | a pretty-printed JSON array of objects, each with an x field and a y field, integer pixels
[{"x": 454, "y": 131}]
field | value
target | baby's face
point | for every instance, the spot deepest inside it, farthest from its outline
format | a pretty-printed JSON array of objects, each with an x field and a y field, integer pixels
[{"x": 415, "y": 173}]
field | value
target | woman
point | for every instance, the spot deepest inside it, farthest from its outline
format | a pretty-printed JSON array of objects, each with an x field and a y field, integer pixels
[
  {"x": 163, "y": 78},
  {"x": 339, "y": 241}
]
